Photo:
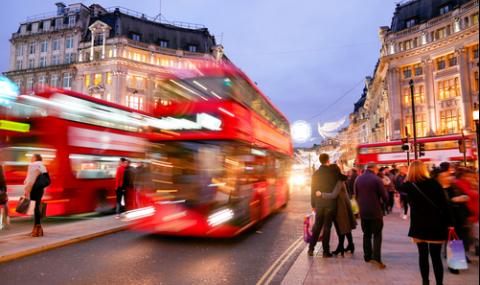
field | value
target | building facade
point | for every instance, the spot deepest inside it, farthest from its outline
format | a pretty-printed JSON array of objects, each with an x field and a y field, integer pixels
[
  {"x": 434, "y": 44},
  {"x": 117, "y": 54}
]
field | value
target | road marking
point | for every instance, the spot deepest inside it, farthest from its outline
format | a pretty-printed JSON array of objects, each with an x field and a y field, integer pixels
[{"x": 270, "y": 273}]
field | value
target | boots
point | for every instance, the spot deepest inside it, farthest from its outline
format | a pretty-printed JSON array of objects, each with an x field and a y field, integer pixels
[{"x": 37, "y": 231}]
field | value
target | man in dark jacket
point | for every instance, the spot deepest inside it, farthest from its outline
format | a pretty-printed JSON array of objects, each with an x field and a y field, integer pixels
[
  {"x": 370, "y": 193},
  {"x": 323, "y": 180}
]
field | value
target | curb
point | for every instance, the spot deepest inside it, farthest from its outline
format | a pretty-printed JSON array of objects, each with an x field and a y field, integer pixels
[
  {"x": 53, "y": 245},
  {"x": 299, "y": 270}
]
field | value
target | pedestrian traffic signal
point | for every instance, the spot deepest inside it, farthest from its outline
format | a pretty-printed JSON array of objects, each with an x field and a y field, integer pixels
[
  {"x": 405, "y": 145},
  {"x": 421, "y": 149},
  {"x": 461, "y": 146}
]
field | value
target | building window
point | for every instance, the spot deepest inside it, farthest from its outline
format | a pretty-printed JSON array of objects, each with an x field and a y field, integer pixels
[
  {"x": 19, "y": 50},
  {"x": 97, "y": 79},
  {"x": 108, "y": 97},
  {"x": 109, "y": 78},
  {"x": 448, "y": 88},
  {"x": 31, "y": 48},
  {"x": 98, "y": 41},
  {"x": 475, "y": 51},
  {"x": 407, "y": 72},
  {"x": 72, "y": 20},
  {"x": 31, "y": 63},
  {"x": 69, "y": 42},
  {"x": 475, "y": 19},
  {"x": 410, "y": 23},
  {"x": 46, "y": 25},
  {"x": 29, "y": 85},
  {"x": 452, "y": 60},
  {"x": 54, "y": 80},
  {"x": 19, "y": 83},
  {"x": 444, "y": 9},
  {"x": 56, "y": 44},
  {"x": 67, "y": 80},
  {"x": 136, "y": 82},
  {"x": 42, "y": 62},
  {"x": 192, "y": 48},
  {"x": 441, "y": 63},
  {"x": 163, "y": 44},
  {"x": 87, "y": 80},
  {"x": 43, "y": 46},
  {"x": 418, "y": 69},
  {"x": 135, "y": 102},
  {"x": 42, "y": 80},
  {"x": 418, "y": 94},
  {"x": 475, "y": 81},
  {"x": 19, "y": 64},
  {"x": 135, "y": 37},
  {"x": 420, "y": 124},
  {"x": 55, "y": 59},
  {"x": 69, "y": 58},
  {"x": 58, "y": 23},
  {"x": 450, "y": 121}
]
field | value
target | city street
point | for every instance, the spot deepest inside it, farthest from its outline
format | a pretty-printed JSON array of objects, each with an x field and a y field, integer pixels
[{"x": 136, "y": 258}]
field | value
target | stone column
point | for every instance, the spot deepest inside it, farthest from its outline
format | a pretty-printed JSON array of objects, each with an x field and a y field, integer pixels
[
  {"x": 92, "y": 42},
  {"x": 466, "y": 103},
  {"x": 103, "y": 43},
  {"x": 395, "y": 103},
  {"x": 430, "y": 94}
]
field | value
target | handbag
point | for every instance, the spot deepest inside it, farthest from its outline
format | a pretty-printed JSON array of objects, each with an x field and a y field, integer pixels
[
  {"x": 355, "y": 207},
  {"x": 308, "y": 223},
  {"x": 22, "y": 206},
  {"x": 456, "y": 258}
]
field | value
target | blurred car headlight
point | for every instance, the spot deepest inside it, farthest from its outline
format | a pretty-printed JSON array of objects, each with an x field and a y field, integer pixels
[
  {"x": 220, "y": 217},
  {"x": 138, "y": 213}
]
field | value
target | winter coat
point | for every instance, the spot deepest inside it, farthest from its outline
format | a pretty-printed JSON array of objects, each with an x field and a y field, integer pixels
[
  {"x": 428, "y": 220},
  {"x": 369, "y": 192},
  {"x": 323, "y": 180},
  {"x": 344, "y": 217}
]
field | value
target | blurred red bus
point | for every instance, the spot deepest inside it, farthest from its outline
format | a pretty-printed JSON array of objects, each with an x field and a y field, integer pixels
[
  {"x": 81, "y": 140},
  {"x": 221, "y": 160},
  {"x": 437, "y": 150}
]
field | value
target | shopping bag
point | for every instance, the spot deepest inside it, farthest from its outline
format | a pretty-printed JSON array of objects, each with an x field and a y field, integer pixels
[
  {"x": 308, "y": 223},
  {"x": 456, "y": 258},
  {"x": 355, "y": 208},
  {"x": 22, "y": 206}
]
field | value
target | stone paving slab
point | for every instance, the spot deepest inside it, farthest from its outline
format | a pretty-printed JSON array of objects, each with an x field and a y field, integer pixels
[
  {"x": 21, "y": 244},
  {"x": 398, "y": 253}
]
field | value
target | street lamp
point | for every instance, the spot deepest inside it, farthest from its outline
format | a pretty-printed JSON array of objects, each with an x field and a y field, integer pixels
[
  {"x": 414, "y": 123},
  {"x": 477, "y": 127}
]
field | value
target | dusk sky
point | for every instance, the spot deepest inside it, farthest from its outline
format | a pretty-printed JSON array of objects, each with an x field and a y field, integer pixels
[{"x": 304, "y": 54}]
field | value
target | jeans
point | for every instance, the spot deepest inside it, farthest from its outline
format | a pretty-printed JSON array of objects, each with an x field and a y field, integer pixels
[
  {"x": 120, "y": 193},
  {"x": 403, "y": 198},
  {"x": 372, "y": 227},
  {"x": 424, "y": 249},
  {"x": 323, "y": 219}
]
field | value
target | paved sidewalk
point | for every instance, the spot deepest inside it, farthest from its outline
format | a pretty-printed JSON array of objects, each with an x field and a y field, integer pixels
[
  {"x": 398, "y": 253},
  {"x": 18, "y": 243}
]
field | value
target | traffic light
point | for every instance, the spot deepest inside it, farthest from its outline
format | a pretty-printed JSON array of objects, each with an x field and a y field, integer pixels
[
  {"x": 421, "y": 149},
  {"x": 461, "y": 146},
  {"x": 405, "y": 145}
]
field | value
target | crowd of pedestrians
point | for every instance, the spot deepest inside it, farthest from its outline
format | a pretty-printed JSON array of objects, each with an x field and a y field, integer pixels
[{"x": 439, "y": 201}]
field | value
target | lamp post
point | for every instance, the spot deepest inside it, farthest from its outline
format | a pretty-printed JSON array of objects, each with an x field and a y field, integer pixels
[
  {"x": 477, "y": 128},
  {"x": 414, "y": 123}
]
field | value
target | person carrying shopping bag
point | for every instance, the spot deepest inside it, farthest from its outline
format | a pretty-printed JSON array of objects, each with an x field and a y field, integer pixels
[{"x": 35, "y": 182}]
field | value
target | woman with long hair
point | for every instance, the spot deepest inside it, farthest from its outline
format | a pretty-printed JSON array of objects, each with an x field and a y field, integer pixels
[
  {"x": 344, "y": 220},
  {"x": 430, "y": 218},
  {"x": 32, "y": 190},
  {"x": 4, "y": 219}
]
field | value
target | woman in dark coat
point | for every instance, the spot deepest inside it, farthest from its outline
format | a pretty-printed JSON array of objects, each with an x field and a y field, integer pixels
[
  {"x": 430, "y": 218},
  {"x": 344, "y": 220}
]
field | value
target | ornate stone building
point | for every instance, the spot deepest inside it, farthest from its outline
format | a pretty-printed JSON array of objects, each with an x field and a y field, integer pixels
[
  {"x": 114, "y": 54},
  {"x": 435, "y": 44}
]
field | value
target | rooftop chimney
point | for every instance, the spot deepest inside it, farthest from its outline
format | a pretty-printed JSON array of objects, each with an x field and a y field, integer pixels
[{"x": 60, "y": 8}]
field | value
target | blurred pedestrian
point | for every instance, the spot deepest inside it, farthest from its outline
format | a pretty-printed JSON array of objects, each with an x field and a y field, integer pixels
[
  {"x": 4, "y": 218},
  {"x": 399, "y": 180},
  {"x": 119, "y": 185},
  {"x": 35, "y": 191},
  {"x": 323, "y": 181},
  {"x": 388, "y": 185},
  {"x": 430, "y": 218},
  {"x": 353, "y": 174},
  {"x": 344, "y": 220},
  {"x": 370, "y": 193}
]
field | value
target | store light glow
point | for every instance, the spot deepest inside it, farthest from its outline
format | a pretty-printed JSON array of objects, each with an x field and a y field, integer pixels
[{"x": 301, "y": 131}]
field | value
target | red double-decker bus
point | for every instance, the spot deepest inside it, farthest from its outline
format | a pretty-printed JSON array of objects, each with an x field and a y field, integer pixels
[
  {"x": 81, "y": 140},
  {"x": 437, "y": 150},
  {"x": 219, "y": 163}
]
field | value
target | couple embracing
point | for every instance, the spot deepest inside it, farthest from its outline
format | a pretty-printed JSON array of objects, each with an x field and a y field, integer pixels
[{"x": 331, "y": 204}]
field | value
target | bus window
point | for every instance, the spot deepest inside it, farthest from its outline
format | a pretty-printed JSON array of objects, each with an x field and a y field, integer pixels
[
  {"x": 16, "y": 160},
  {"x": 93, "y": 166}
]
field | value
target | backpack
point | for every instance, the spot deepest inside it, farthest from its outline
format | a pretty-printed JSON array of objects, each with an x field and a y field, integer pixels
[{"x": 42, "y": 181}]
